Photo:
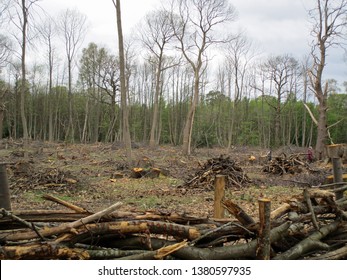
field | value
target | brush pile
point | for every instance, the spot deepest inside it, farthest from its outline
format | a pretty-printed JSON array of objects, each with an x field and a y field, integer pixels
[
  {"x": 204, "y": 177},
  {"x": 284, "y": 164},
  {"x": 23, "y": 177},
  {"x": 310, "y": 226}
]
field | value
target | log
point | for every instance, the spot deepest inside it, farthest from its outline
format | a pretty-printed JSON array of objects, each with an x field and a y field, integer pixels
[
  {"x": 238, "y": 212},
  {"x": 233, "y": 252},
  {"x": 69, "y": 205},
  {"x": 61, "y": 228},
  {"x": 280, "y": 211},
  {"x": 40, "y": 251},
  {"x": 338, "y": 254},
  {"x": 310, "y": 243}
]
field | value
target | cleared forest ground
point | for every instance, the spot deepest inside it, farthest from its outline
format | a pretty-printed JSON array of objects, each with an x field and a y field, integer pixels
[
  {"x": 94, "y": 176},
  {"x": 161, "y": 205}
]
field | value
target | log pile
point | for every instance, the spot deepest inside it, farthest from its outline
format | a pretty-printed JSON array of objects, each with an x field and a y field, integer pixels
[
  {"x": 204, "y": 177},
  {"x": 284, "y": 164},
  {"x": 310, "y": 226}
]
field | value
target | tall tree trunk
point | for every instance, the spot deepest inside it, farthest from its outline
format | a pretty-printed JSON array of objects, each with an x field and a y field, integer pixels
[
  {"x": 1, "y": 121},
  {"x": 70, "y": 131},
  {"x": 50, "y": 94},
  {"x": 188, "y": 128},
  {"x": 123, "y": 89},
  {"x": 154, "y": 125},
  {"x": 23, "y": 84}
]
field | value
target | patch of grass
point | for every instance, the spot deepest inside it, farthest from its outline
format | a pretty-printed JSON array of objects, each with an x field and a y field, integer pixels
[{"x": 34, "y": 196}]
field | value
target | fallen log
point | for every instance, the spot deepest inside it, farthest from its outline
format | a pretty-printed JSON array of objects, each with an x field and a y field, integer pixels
[
  {"x": 46, "y": 232},
  {"x": 232, "y": 252},
  {"x": 309, "y": 244},
  {"x": 338, "y": 254},
  {"x": 238, "y": 213},
  {"x": 288, "y": 232},
  {"x": 40, "y": 251},
  {"x": 69, "y": 205}
]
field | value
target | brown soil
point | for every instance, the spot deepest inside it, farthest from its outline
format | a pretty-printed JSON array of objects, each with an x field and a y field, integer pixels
[{"x": 94, "y": 176}]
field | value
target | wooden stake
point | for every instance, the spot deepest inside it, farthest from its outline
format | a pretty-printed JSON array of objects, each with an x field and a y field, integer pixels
[
  {"x": 336, "y": 152},
  {"x": 219, "y": 196},
  {"x": 5, "y": 201},
  {"x": 264, "y": 242}
]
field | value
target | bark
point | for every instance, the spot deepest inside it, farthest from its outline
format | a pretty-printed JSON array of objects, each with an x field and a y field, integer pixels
[
  {"x": 264, "y": 242},
  {"x": 310, "y": 243},
  {"x": 338, "y": 254},
  {"x": 239, "y": 213},
  {"x": 42, "y": 251},
  {"x": 219, "y": 196}
]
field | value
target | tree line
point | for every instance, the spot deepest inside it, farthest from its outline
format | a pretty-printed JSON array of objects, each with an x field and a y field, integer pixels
[{"x": 173, "y": 93}]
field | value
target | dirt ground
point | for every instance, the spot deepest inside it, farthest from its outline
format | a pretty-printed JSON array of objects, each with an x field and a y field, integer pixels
[{"x": 94, "y": 176}]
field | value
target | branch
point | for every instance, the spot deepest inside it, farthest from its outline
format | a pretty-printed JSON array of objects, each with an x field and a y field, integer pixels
[{"x": 311, "y": 114}]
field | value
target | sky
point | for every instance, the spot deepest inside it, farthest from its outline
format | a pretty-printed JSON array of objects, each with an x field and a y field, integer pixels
[{"x": 276, "y": 27}]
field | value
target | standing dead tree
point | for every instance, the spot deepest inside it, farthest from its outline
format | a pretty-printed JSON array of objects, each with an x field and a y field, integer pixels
[{"x": 328, "y": 30}]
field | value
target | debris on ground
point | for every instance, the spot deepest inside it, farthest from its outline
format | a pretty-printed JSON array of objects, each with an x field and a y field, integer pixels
[{"x": 310, "y": 226}]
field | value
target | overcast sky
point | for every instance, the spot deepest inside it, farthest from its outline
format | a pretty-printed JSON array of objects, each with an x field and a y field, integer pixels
[{"x": 275, "y": 26}]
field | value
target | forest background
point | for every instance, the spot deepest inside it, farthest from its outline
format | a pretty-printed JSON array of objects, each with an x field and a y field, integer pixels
[{"x": 72, "y": 92}]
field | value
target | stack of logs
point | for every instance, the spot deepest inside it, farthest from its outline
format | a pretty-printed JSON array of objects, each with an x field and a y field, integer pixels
[
  {"x": 312, "y": 226},
  {"x": 205, "y": 176}
]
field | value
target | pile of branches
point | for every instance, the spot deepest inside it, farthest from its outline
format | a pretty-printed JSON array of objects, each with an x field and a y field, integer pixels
[
  {"x": 23, "y": 176},
  {"x": 312, "y": 226},
  {"x": 205, "y": 176},
  {"x": 284, "y": 164}
]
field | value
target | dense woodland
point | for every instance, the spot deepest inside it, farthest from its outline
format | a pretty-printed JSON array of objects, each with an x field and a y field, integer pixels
[{"x": 175, "y": 70}]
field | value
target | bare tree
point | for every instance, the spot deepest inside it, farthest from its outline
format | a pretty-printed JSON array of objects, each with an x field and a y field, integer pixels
[
  {"x": 238, "y": 56},
  {"x": 48, "y": 31},
  {"x": 5, "y": 50},
  {"x": 20, "y": 14},
  {"x": 123, "y": 89},
  {"x": 4, "y": 6},
  {"x": 196, "y": 26},
  {"x": 72, "y": 25},
  {"x": 330, "y": 22},
  {"x": 155, "y": 36},
  {"x": 279, "y": 70}
]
